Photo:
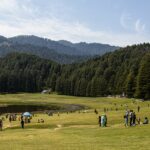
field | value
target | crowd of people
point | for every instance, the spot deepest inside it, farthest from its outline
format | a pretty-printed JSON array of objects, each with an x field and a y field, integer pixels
[
  {"x": 15, "y": 117},
  {"x": 132, "y": 120}
]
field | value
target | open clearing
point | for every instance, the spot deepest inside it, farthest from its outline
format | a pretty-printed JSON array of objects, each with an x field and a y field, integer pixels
[{"x": 78, "y": 130}]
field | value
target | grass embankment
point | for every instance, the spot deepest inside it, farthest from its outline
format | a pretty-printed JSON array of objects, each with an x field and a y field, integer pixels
[{"x": 76, "y": 131}]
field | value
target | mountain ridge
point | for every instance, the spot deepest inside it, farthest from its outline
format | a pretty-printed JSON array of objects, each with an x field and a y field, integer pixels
[
  {"x": 53, "y": 50},
  {"x": 62, "y": 47}
]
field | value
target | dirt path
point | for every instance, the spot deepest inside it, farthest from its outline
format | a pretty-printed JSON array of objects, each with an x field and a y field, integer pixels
[{"x": 59, "y": 126}]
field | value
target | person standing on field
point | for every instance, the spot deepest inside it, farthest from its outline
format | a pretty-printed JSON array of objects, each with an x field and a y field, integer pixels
[
  {"x": 103, "y": 121},
  {"x": 96, "y": 112},
  {"x": 138, "y": 108},
  {"x": 99, "y": 120},
  {"x": 1, "y": 124},
  {"x": 126, "y": 118},
  {"x": 131, "y": 117},
  {"x": 22, "y": 123},
  {"x": 10, "y": 118},
  {"x": 134, "y": 118}
]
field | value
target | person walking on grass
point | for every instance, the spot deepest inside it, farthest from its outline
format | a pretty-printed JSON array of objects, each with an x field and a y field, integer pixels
[
  {"x": 22, "y": 123},
  {"x": 1, "y": 124}
]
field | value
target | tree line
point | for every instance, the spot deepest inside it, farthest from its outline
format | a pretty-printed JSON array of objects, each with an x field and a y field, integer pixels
[{"x": 126, "y": 70}]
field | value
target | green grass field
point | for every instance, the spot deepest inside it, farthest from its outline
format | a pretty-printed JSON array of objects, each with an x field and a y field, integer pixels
[{"x": 76, "y": 131}]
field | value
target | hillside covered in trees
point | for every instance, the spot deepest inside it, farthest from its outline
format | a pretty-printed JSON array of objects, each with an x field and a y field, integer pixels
[
  {"x": 65, "y": 47},
  {"x": 58, "y": 51},
  {"x": 126, "y": 70}
]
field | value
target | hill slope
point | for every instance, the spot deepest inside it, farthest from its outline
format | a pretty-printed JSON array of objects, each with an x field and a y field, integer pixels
[
  {"x": 43, "y": 52},
  {"x": 90, "y": 48},
  {"x": 124, "y": 71},
  {"x": 53, "y": 50},
  {"x": 65, "y": 47}
]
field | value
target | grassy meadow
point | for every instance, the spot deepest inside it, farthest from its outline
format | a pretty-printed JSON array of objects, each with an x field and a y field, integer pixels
[{"x": 78, "y": 130}]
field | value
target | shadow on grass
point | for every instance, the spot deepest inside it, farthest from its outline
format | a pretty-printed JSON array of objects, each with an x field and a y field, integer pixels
[{"x": 37, "y": 126}]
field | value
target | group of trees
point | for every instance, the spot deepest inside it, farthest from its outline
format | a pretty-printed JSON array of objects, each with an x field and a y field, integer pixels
[
  {"x": 25, "y": 73},
  {"x": 124, "y": 71}
]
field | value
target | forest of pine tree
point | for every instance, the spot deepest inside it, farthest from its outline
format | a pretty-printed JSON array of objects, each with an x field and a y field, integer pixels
[{"x": 126, "y": 70}]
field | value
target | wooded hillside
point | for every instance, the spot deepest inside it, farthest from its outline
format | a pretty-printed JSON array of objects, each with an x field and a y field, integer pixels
[{"x": 124, "y": 71}]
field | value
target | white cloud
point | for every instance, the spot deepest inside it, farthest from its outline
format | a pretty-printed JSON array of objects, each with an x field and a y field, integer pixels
[
  {"x": 125, "y": 21},
  {"x": 8, "y": 5},
  {"x": 22, "y": 17},
  {"x": 139, "y": 26},
  {"x": 131, "y": 24}
]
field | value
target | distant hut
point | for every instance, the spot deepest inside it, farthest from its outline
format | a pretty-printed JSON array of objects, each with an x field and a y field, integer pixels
[{"x": 46, "y": 91}]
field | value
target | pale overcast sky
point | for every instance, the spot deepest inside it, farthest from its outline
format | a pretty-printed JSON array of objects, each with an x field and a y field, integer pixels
[{"x": 115, "y": 22}]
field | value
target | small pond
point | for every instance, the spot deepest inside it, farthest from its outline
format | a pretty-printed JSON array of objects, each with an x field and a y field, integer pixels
[{"x": 39, "y": 108}]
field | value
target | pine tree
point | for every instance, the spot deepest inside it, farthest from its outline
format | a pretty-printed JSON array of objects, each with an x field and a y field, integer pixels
[{"x": 130, "y": 85}]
